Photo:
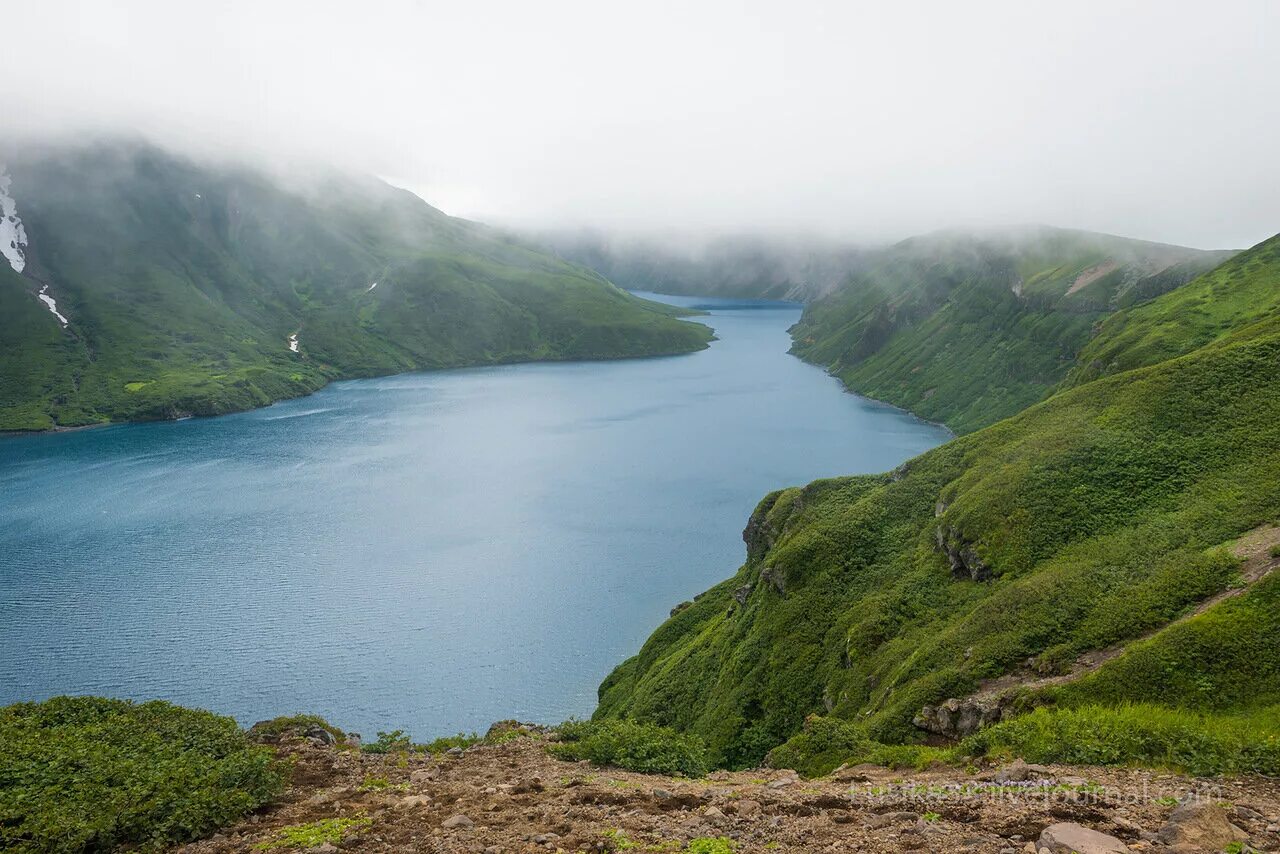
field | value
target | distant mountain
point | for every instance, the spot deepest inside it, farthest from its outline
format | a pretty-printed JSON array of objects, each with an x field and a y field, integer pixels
[
  {"x": 742, "y": 266},
  {"x": 140, "y": 284},
  {"x": 967, "y": 328}
]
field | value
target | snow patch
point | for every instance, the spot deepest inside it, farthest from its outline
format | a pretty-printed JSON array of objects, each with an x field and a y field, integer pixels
[
  {"x": 293, "y": 343},
  {"x": 13, "y": 236},
  {"x": 198, "y": 196},
  {"x": 51, "y": 304},
  {"x": 371, "y": 287}
]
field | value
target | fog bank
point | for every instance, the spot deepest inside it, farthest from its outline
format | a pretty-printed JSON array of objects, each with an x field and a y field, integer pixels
[{"x": 1148, "y": 119}]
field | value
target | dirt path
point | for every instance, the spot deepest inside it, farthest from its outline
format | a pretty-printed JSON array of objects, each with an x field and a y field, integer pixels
[{"x": 1254, "y": 551}]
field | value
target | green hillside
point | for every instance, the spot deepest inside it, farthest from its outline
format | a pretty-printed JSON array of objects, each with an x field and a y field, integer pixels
[
  {"x": 967, "y": 329},
  {"x": 1236, "y": 300},
  {"x": 1093, "y": 519},
  {"x": 182, "y": 283}
]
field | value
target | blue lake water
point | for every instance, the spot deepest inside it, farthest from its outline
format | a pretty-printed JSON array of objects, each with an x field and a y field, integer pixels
[{"x": 431, "y": 551}]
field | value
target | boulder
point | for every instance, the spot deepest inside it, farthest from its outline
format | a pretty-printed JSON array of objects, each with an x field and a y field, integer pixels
[
  {"x": 413, "y": 802},
  {"x": 1020, "y": 772},
  {"x": 1069, "y": 838},
  {"x": 458, "y": 822},
  {"x": 1200, "y": 824}
]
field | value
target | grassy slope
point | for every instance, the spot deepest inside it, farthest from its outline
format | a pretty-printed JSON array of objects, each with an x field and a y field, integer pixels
[
  {"x": 968, "y": 329},
  {"x": 1233, "y": 301},
  {"x": 1101, "y": 513},
  {"x": 183, "y": 283}
]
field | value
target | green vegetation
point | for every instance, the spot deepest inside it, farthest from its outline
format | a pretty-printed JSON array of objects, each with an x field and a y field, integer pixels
[
  {"x": 462, "y": 740},
  {"x": 1140, "y": 734},
  {"x": 316, "y": 833},
  {"x": 1094, "y": 518},
  {"x": 381, "y": 784},
  {"x": 634, "y": 746},
  {"x": 825, "y": 743},
  {"x": 398, "y": 741},
  {"x": 1234, "y": 302},
  {"x": 84, "y": 773},
  {"x": 183, "y": 283},
  {"x": 967, "y": 329},
  {"x": 709, "y": 845},
  {"x": 1225, "y": 659}
]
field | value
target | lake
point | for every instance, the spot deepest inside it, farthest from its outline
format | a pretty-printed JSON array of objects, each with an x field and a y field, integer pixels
[{"x": 428, "y": 552}]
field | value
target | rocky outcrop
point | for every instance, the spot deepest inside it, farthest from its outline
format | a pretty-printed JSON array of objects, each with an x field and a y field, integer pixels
[
  {"x": 759, "y": 535},
  {"x": 958, "y": 718},
  {"x": 961, "y": 554},
  {"x": 775, "y": 578},
  {"x": 1069, "y": 838},
  {"x": 1200, "y": 824}
]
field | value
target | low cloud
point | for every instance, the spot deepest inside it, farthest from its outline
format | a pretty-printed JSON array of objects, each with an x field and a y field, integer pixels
[{"x": 866, "y": 121}]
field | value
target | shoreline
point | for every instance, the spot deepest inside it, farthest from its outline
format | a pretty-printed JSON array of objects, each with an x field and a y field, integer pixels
[{"x": 58, "y": 429}]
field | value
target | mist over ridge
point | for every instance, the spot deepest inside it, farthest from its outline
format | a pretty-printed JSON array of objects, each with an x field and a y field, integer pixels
[{"x": 859, "y": 124}]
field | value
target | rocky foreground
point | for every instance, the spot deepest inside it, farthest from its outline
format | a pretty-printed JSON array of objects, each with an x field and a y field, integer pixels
[{"x": 514, "y": 797}]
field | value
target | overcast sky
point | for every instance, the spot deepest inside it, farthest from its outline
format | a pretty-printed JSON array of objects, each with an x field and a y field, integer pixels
[{"x": 867, "y": 120}]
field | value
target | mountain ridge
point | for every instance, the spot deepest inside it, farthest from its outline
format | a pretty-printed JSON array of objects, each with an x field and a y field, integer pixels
[
  {"x": 967, "y": 327},
  {"x": 190, "y": 288}
]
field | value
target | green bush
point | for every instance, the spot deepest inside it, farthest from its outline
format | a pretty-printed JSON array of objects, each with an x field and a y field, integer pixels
[
  {"x": 1140, "y": 734},
  {"x": 710, "y": 845},
  {"x": 825, "y": 743},
  {"x": 330, "y": 831},
  {"x": 646, "y": 748},
  {"x": 399, "y": 741},
  {"x": 92, "y": 774},
  {"x": 440, "y": 745},
  {"x": 396, "y": 741}
]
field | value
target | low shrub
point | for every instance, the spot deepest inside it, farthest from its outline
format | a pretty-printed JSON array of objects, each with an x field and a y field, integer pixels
[
  {"x": 646, "y": 748},
  {"x": 396, "y": 741},
  {"x": 92, "y": 774},
  {"x": 399, "y": 741},
  {"x": 825, "y": 743},
  {"x": 440, "y": 745},
  {"x": 710, "y": 845},
  {"x": 1140, "y": 734},
  {"x": 329, "y": 831}
]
